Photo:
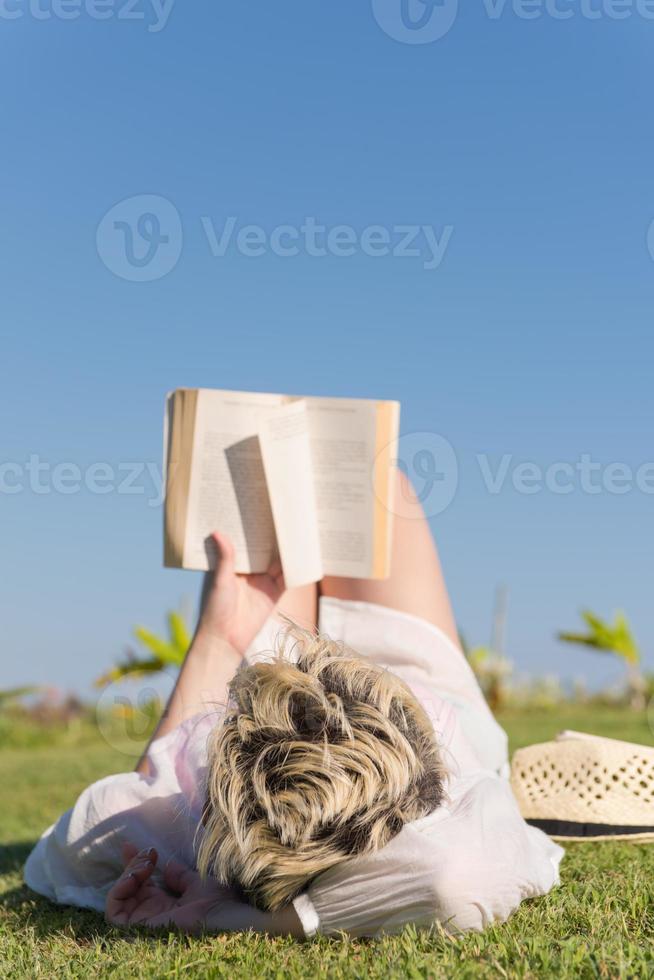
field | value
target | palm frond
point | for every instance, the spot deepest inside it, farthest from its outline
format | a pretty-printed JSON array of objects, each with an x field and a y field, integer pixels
[
  {"x": 163, "y": 652},
  {"x": 132, "y": 667},
  {"x": 179, "y": 635},
  {"x": 155, "y": 644},
  {"x": 15, "y": 693},
  {"x": 584, "y": 639},
  {"x": 606, "y": 637}
]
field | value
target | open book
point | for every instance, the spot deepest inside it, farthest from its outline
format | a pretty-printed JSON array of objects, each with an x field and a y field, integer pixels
[{"x": 309, "y": 479}]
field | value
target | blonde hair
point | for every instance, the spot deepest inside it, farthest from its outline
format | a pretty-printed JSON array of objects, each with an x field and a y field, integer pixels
[{"x": 321, "y": 759}]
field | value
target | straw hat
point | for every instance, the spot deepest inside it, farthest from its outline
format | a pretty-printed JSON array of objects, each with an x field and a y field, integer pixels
[{"x": 583, "y": 787}]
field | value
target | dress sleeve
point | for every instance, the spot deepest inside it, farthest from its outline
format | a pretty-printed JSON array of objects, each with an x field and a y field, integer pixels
[
  {"x": 467, "y": 865},
  {"x": 77, "y": 859}
]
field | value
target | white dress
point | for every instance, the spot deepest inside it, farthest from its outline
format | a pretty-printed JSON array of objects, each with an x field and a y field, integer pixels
[{"x": 468, "y": 864}]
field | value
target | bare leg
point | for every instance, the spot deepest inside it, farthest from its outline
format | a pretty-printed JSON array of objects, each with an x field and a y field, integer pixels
[
  {"x": 300, "y": 605},
  {"x": 416, "y": 584}
]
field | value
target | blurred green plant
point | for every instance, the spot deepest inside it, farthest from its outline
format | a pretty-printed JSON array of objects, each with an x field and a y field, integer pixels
[
  {"x": 12, "y": 694},
  {"x": 492, "y": 670},
  {"x": 166, "y": 651},
  {"x": 618, "y": 639},
  {"x": 37, "y": 720}
]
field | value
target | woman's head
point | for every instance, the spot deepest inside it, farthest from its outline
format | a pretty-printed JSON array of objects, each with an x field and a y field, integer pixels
[{"x": 321, "y": 759}]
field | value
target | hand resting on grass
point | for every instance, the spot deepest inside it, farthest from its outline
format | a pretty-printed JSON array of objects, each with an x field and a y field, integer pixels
[{"x": 186, "y": 901}]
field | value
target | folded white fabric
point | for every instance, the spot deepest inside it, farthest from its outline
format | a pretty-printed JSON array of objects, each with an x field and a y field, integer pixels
[
  {"x": 468, "y": 864},
  {"x": 586, "y": 787}
]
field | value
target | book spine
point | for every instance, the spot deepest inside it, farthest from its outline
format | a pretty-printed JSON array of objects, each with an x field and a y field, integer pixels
[{"x": 181, "y": 411}]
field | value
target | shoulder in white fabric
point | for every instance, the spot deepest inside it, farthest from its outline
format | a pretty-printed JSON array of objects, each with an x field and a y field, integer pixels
[{"x": 468, "y": 864}]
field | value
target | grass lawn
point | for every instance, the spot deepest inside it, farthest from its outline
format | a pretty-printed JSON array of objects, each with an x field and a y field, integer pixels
[{"x": 600, "y": 923}]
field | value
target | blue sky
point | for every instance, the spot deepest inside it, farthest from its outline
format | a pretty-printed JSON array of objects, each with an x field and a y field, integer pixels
[{"x": 529, "y": 139}]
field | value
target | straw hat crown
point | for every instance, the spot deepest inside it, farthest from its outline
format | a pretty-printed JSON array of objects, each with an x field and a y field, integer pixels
[{"x": 582, "y": 786}]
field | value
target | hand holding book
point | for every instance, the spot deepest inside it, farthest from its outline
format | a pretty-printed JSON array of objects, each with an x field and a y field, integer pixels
[{"x": 235, "y": 607}]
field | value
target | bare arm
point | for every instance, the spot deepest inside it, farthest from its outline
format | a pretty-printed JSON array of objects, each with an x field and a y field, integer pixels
[{"x": 234, "y": 607}]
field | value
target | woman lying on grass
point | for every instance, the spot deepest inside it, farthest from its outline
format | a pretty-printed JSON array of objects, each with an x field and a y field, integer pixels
[{"x": 356, "y": 780}]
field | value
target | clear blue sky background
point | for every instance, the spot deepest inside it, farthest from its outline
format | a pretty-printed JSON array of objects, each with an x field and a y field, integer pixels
[{"x": 533, "y": 139}]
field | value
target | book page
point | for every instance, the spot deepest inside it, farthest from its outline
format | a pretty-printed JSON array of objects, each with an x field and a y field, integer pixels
[
  {"x": 227, "y": 489},
  {"x": 343, "y": 447},
  {"x": 284, "y": 439}
]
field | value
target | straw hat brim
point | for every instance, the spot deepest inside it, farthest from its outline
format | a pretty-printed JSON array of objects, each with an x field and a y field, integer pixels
[{"x": 634, "y": 838}]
